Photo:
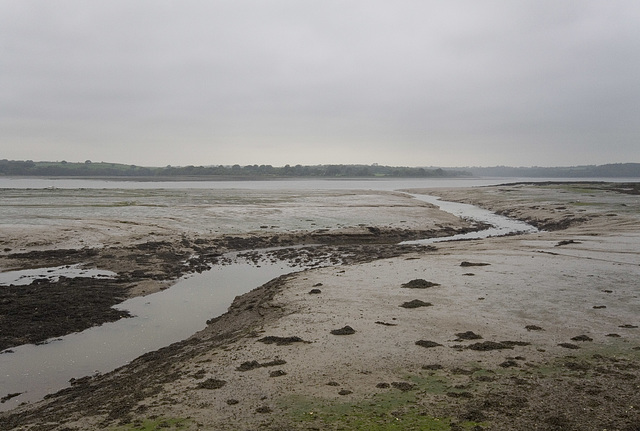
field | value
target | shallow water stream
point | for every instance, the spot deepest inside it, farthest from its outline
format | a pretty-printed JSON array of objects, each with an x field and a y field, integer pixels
[
  {"x": 159, "y": 320},
  {"x": 501, "y": 225},
  {"x": 166, "y": 317}
]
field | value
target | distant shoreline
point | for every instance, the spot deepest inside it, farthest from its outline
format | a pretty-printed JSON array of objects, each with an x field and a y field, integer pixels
[{"x": 104, "y": 170}]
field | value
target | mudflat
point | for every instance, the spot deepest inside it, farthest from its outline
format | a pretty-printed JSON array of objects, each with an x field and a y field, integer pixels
[{"x": 525, "y": 332}]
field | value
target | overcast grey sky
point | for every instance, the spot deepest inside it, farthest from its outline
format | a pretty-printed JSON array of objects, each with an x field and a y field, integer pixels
[{"x": 416, "y": 83}]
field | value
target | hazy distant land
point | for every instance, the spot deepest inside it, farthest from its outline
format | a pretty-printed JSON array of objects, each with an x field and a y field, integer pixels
[{"x": 104, "y": 169}]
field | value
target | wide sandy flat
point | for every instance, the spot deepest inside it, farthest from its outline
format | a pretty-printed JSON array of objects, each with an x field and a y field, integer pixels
[{"x": 562, "y": 309}]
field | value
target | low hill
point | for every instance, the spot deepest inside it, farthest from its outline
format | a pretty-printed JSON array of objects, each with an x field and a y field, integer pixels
[{"x": 90, "y": 169}]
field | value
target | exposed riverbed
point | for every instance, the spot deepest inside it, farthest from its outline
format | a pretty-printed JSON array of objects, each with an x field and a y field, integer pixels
[{"x": 168, "y": 316}]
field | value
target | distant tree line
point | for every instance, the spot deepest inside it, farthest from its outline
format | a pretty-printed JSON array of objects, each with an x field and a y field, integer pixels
[
  {"x": 90, "y": 169},
  {"x": 614, "y": 170},
  {"x": 102, "y": 169}
]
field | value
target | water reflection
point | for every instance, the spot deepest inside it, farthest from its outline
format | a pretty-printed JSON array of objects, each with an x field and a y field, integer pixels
[{"x": 160, "y": 319}]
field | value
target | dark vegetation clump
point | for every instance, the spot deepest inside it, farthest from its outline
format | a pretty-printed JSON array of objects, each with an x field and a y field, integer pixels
[
  {"x": 252, "y": 365},
  {"x": 419, "y": 283},
  {"x": 379, "y": 322},
  {"x": 427, "y": 343},
  {"x": 211, "y": 384},
  {"x": 469, "y": 335},
  {"x": 432, "y": 367},
  {"x": 509, "y": 363},
  {"x": 403, "y": 386},
  {"x": 281, "y": 341},
  {"x": 515, "y": 343},
  {"x": 346, "y": 330},
  {"x": 489, "y": 345},
  {"x": 416, "y": 303},
  {"x": 569, "y": 346}
]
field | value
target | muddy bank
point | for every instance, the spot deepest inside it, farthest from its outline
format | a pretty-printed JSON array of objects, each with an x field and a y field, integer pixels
[
  {"x": 44, "y": 309},
  {"x": 47, "y": 309},
  {"x": 153, "y": 237},
  {"x": 553, "y": 206}
]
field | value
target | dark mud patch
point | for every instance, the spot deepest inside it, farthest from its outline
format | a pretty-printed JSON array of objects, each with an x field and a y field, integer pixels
[
  {"x": 509, "y": 363},
  {"x": 567, "y": 242},
  {"x": 403, "y": 386},
  {"x": 416, "y": 303},
  {"x": 468, "y": 335},
  {"x": 427, "y": 344},
  {"x": 379, "y": 322},
  {"x": 46, "y": 309},
  {"x": 486, "y": 346},
  {"x": 570, "y": 346},
  {"x": 515, "y": 343},
  {"x": 432, "y": 367},
  {"x": 36, "y": 313},
  {"x": 419, "y": 283},
  {"x": 533, "y": 328},
  {"x": 211, "y": 384},
  {"x": 467, "y": 264},
  {"x": 252, "y": 365},
  {"x": 345, "y": 330},
  {"x": 281, "y": 341}
]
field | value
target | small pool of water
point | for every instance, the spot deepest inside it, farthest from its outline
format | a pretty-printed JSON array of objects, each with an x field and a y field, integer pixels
[
  {"x": 53, "y": 274},
  {"x": 500, "y": 225}
]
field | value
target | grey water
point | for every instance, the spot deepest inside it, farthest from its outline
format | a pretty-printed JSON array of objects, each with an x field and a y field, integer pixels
[
  {"x": 295, "y": 184},
  {"x": 500, "y": 225},
  {"x": 159, "y": 319},
  {"x": 53, "y": 274}
]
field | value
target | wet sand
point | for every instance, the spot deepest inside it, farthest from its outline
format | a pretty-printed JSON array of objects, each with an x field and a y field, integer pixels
[{"x": 515, "y": 333}]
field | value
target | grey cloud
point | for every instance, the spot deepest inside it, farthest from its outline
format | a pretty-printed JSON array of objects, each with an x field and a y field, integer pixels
[{"x": 402, "y": 81}]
